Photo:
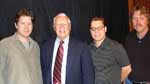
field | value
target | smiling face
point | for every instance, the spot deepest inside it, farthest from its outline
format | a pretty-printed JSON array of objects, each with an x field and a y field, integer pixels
[
  {"x": 62, "y": 26},
  {"x": 24, "y": 26},
  {"x": 98, "y": 30}
]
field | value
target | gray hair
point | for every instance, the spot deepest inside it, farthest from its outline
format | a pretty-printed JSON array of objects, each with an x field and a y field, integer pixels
[{"x": 61, "y": 14}]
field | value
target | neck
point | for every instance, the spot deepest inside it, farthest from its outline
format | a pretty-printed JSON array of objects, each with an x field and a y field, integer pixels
[
  {"x": 23, "y": 39},
  {"x": 98, "y": 43},
  {"x": 141, "y": 35}
]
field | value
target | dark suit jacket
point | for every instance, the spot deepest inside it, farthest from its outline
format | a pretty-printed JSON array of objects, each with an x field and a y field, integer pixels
[{"x": 79, "y": 68}]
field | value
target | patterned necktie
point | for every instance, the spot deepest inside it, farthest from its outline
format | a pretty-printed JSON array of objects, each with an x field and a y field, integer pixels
[{"x": 58, "y": 64}]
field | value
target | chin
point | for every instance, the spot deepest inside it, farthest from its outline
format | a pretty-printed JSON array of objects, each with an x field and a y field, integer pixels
[{"x": 26, "y": 35}]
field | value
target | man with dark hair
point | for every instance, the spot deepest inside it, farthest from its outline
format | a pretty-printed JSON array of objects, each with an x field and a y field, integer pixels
[
  {"x": 110, "y": 58},
  {"x": 19, "y": 54}
]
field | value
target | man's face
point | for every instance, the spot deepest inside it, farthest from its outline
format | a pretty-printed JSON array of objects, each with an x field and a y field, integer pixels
[
  {"x": 24, "y": 26},
  {"x": 62, "y": 27},
  {"x": 98, "y": 30},
  {"x": 140, "y": 22}
]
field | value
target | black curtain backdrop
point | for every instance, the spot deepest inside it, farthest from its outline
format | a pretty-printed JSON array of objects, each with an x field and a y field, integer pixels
[{"x": 80, "y": 12}]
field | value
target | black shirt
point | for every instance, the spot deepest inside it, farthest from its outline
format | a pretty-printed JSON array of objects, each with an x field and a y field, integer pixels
[{"x": 139, "y": 54}]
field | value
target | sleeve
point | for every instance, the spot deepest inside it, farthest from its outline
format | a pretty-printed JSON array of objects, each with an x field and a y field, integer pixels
[
  {"x": 38, "y": 65},
  {"x": 43, "y": 66},
  {"x": 121, "y": 56},
  {"x": 3, "y": 60},
  {"x": 87, "y": 66}
]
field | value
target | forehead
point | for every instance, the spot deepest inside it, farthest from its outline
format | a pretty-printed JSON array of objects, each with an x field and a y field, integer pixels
[
  {"x": 139, "y": 13},
  {"x": 61, "y": 19},
  {"x": 25, "y": 18},
  {"x": 97, "y": 23}
]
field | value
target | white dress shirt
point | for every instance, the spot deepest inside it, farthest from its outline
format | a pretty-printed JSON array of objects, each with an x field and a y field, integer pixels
[{"x": 64, "y": 61}]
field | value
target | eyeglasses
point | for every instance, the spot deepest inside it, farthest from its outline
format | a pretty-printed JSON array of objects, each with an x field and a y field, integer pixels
[{"x": 96, "y": 28}]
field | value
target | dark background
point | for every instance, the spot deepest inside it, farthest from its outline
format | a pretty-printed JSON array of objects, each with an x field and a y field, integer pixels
[{"x": 80, "y": 12}]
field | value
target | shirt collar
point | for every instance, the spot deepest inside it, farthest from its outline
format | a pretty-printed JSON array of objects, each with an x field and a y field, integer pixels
[
  {"x": 66, "y": 40},
  {"x": 17, "y": 39},
  {"x": 102, "y": 44}
]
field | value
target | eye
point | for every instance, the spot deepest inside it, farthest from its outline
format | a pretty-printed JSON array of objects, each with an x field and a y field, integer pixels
[
  {"x": 96, "y": 28},
  {"x": 141, "y": 18},
  {"x": 134, "y": 18},
  {"x": 22, "y": 23},
  {"x": 29, "y": 23}
]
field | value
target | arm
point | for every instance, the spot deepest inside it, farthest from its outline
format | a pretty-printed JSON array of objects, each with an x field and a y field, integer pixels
[
  {"x": 125, "y": 72},
  {"x": 87, "y": 67},
  {"x": 123, "y": 61},
  {"x": 38, "y": 65},
  {"x": 3, "y": 57},
  {"x": 43, "y": 63}
]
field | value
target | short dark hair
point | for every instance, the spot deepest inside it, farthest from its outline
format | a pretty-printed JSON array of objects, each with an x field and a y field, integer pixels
[
  {"x": 99, "y": 19},
  {"x": 24, "y": 12}
]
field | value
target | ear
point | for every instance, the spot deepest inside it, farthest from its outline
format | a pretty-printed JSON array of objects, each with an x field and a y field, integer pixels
[
  {"x": 70, "y": 26},
  {"x": 54, "y": 26},
  {"x": 105, "y": 28},
  {"x": 15, "y": 25}
]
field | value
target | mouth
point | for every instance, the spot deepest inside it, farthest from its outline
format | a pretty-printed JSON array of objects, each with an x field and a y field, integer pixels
[
  {"x": 62, "y": 30},
  {"x": 138, "y": 25},
  {"x": 26, "y": 31}
]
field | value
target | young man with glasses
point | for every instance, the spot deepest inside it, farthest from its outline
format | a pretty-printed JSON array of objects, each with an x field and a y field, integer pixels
[{"x": 110, "y": 59}]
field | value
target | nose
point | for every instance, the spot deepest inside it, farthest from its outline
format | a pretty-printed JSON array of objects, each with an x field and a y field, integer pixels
[
  {"x": 61, "y": 26},
  {"x": 27, "y": 25},
  {"x": 137, "y": 20}
]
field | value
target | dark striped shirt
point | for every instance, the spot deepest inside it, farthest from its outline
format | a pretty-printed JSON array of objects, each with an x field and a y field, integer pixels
[{"x": 108, "y": 60}]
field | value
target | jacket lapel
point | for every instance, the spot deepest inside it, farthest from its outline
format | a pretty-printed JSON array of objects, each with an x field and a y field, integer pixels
[{"x": 70, "y": 57}]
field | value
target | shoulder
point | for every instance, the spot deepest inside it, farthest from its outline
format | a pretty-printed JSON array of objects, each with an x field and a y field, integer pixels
[
  {"x": 7, "y": 40},
  {"x": 77, "y": 42},
  {"x": 34, "y": 43},
  {"x": 49, "y": 42},
  {"x": 131, "y": 35},
  {"x": 5, "y": 44},
  {"x": 113, "y": 43}
]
